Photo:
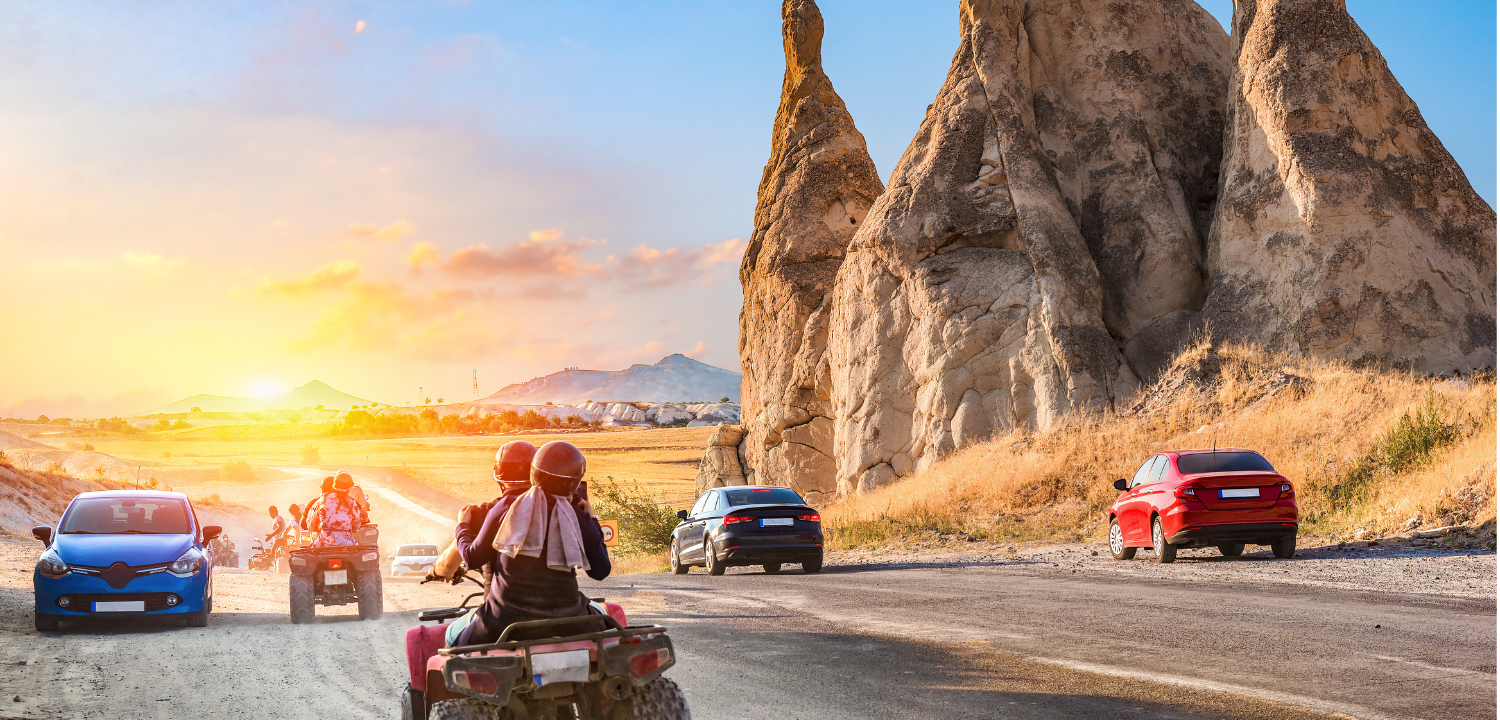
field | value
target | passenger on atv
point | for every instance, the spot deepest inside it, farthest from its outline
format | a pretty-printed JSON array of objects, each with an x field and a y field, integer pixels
[
  {"x": 536, "y": 540},
  {"x": 337, "y": 516}
]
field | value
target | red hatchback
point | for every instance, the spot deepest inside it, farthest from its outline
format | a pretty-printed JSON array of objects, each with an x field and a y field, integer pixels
[{"x": 1226, "y": 497}]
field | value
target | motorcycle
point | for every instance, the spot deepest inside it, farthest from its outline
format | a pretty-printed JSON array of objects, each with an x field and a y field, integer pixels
[{"x": 574, "y": 674}]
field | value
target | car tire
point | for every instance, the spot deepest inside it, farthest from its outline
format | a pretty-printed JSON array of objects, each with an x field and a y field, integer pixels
[
  {"x": 371, "y": 599},
  {"x": 1117, "y": 546},
  {"x": 300, "y": 588},
  {"x": 772, "y": 568},
  {"x": 1284, "y": 547},
  {"x": 1165, "y": 552},
  {"x": 676, "y": 560},
  {"x": 1231, "y": 549},
  {"x": 46, "y": 623},
  {"x": 197, "y": 619},
  {"x": 413, "y": 704},
  {"x": 466, "y": 709},
  {"x": 710, "y": 558},
  {"x": 659, "y": 699},
  {"x": 814, "y": 566}
]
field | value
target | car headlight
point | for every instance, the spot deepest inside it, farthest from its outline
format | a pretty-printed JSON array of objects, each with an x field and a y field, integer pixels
[
  {"x": 187, "y": 565},
  {"x": 51, "y": 564}
]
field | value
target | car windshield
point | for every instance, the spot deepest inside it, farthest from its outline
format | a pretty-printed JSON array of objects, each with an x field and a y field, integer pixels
[
  {"x": 417, "y": 550},
  {"x": 1222, "y": 462},
  {"x": 762, "y": 496},
  {"x": 127, "y": 516}
]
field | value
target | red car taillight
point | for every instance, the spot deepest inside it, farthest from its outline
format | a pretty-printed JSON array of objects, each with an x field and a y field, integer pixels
[
  {"x": 1186, "y": 492},
  {"x": 1286, "y": 491},
  {"x": 735, "y": 519},
  {"x": 811, "y": 517}
]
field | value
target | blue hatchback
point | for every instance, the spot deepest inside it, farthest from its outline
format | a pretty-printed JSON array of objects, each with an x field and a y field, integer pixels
[{"x": 125, "y": 553}]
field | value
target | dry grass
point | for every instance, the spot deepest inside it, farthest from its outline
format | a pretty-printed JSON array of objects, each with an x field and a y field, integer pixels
[{"x": 1336, "y": 431}]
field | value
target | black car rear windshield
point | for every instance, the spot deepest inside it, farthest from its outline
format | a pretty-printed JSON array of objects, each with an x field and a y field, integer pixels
[
  {"x": 1222, "y": 462},
  {"x": 417, "y": 550},
  {"x": 135, "y": 516},
  {"x": 762, "y": 496}
]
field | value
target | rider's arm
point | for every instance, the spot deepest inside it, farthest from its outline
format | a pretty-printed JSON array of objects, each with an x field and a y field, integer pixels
[
  {"x": 475, "y": 545},
  {"x": 447, "y": 563},
  {"x": 593, "y": 544}
]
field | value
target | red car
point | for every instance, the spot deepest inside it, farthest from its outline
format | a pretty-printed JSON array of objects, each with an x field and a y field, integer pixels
[{"x": 1226, "y": 497}]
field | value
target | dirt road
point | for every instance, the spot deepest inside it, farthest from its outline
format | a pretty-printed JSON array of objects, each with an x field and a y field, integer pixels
[{"x": 858, "y": 641}]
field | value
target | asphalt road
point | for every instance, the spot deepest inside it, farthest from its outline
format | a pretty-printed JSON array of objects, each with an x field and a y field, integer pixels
[{"x": 853, "y": 642}]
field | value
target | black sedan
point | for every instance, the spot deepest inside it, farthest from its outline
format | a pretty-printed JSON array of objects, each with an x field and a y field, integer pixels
[{"x": 748, "y": 526}]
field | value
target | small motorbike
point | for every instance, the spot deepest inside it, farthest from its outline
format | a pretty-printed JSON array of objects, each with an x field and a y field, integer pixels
[{"x": 575, "y": 673}]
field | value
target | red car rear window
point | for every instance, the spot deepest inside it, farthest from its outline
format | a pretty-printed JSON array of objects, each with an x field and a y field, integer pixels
[{"x": 1222, "y": 462}]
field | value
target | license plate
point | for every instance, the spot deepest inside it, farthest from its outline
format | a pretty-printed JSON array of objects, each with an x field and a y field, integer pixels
[
  {"x": 121, "y": 606},
  {"x": 1240, "y": 493},
  {"x": 335, "y": 577},
  {"x": 570, "y": 666},
  {"x": 767, "y": 522}
]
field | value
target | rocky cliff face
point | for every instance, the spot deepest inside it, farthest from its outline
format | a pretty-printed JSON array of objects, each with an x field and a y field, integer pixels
[
  {"x": 1094, "y": 182},
  {"x": 1345, "y": 230},
  {"x": 817, "y": 188}
]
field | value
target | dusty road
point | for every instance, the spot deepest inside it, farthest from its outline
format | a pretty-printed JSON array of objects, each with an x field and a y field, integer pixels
[{"x": 858, "y": 641}]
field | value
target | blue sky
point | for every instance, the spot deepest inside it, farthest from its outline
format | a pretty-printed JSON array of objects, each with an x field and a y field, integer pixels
[{"x": 251, "y": 186}]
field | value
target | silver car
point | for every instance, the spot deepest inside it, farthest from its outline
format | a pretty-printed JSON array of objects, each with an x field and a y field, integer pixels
[{"x": 413, "y": 560}]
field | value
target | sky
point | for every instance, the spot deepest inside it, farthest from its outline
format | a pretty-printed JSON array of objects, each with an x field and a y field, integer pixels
[{"x": 237, "y": 198}]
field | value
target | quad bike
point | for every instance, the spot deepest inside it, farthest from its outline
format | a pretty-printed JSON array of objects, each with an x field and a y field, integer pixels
[
  {"x": 576, "y": 674},
  {"x": 262, "y": 559},
  {"x": 222, "y": 551},
  {"x": 337, "y": 576}
]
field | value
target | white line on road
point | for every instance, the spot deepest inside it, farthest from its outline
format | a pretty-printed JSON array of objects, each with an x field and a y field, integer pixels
[
  {"x": 1420, "y": 664},
  {"x": 412, "y": 507}
]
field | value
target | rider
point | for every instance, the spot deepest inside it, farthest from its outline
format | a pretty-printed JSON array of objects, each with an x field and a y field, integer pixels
[
  {"x": 536, "y": 540},
  {"x": 278, "y": 531},
  {"x": 337, "y": 516},
  {"x": 513, "y": 474},
  {"x": 311, "y": 508}
]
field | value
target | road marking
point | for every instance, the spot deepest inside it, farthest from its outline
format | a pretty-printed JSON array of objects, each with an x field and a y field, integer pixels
[
  {"x": 1420, "y": 664},
  {"x": 414, "y": 508}
]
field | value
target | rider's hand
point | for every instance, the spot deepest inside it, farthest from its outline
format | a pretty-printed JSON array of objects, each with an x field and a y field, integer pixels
[{"x": 584, "y": 505}]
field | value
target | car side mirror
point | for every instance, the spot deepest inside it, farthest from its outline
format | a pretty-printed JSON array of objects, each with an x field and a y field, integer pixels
[
  {"x": 43, "y": 533},
  {"x": 211, "y": 531},
  {"x": 1122, "y": 484},
  {"x": 681, "y": 514}
]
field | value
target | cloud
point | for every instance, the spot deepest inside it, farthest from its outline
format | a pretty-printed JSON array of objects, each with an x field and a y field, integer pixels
[
  {"x": 389, "y": 233},
  {"x": 359, "y": 27},
  {"x": 697, "y": 350},
  {"x": 647, "y": 267},
  {"x": 151, "y": 263},
  {"x": 540, "y": 256},
  {"x": 330, "y": 277},
  {"x": 546, "y": 234},
  {"x": 421, "y": 254},
  {"x": 445, "y": 324}
]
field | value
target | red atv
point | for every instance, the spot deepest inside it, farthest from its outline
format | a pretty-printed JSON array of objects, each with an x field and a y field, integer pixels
[{"x": 576, "y": 674}]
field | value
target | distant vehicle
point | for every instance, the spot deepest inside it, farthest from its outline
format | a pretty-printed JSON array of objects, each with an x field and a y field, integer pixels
[
  {"x": 413, "y": 560},
  {"x": 125, "y": 553},
  {"x": 747, "y": 526},
  {"x": 337, "y": 576},
  {"x": 1227, "y": 498}
]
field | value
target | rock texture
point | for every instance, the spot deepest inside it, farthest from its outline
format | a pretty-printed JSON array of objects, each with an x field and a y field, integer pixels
[
  {"x": 720, "y": 466},
  {"x": 816, "y": 190},
  {"x": 1345, "y": 230}
]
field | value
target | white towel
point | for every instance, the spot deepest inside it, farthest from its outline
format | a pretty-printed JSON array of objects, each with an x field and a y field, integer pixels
[{"x": 528, "y": 527}]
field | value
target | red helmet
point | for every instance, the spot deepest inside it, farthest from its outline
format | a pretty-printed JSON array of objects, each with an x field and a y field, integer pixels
[
  {"x": 513, "y": 464},
  {"x": 557, "y": 468}
]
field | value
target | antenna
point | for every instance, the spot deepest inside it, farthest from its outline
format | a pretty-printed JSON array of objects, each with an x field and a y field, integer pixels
[
  {"x": 1216, "y": 440},
  {"x": 420, "y": 395},
  {"x": 476, "y": 382}
]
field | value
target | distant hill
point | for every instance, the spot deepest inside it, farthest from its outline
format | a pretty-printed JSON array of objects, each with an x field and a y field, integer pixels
[
  {"x": 677, "y": 378},
  {"x": 310, "y": 395}
]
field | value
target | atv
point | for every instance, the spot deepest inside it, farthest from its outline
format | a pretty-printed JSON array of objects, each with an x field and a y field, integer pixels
[
  {"x": 575, "y": 674},
  {"x": 262, "y": 559},
  {"x": 335, "y": 576}
]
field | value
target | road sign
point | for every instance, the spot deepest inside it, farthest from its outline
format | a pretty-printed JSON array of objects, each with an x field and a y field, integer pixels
[{"x": 611, "y": 530}]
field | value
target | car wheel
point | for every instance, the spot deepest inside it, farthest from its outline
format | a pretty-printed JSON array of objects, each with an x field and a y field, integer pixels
[
  {"x": 197, "y": 619},
  {"x": 710, "y": 560},
  {"x": 1165, "y": 552},
  {"x": 45, "y": 622},
  {"x": 813, "y": 566},
  {"x": 1117, "y": 542},
  {"x": 1284, "y": 547},
  {"x": 465, "y": 709},
  {"x": 772, "y": 568},
  {"x": 1231, "y": 549},
  {"x": 371, "y": 600},
  {"x": 659, "y": 699},
  {"x": 300, "y": 587},
  {"x": 677, "y": 567}
]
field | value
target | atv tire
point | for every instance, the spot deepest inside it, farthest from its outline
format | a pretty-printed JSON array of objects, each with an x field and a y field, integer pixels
[
  {"x": 659, "y": 699},
  {"x": 301, "y": 591},
  {"x": 413, "y": 704},
  {"x": 468, "y": 709},
  {"x": 370, "y": 587}
]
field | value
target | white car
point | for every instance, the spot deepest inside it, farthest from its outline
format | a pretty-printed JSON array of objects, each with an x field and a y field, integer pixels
[{"x": 413, "y": 560}]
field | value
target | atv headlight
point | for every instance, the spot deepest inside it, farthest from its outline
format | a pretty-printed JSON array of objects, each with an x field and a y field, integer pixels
[
  {"x": 51, "y": 564},
  {"x": 188, "y": 565}
]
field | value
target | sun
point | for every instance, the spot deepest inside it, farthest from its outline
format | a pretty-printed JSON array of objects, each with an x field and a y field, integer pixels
[{"x": 266, "y": 388}]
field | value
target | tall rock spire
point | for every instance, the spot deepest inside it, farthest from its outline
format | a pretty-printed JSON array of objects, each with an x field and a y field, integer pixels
[
  {"x": 816, "y": 190},
  {"x": 1345, "y": 230}
]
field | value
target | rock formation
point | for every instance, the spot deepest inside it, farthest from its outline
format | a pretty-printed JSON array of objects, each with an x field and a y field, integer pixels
[
  {"x": 816, "y": 189},
  {"x": 720, "y": 466},
  {"x": 1345, "y": 229}
]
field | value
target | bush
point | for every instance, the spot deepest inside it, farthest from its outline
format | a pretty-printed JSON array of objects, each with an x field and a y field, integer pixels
[
  {"x": 181, "y": 425},
  {"x": 309, "y": 455},
  {"x": 645, "y": 526},
  {"x": 237, "y": 471},
  {"x": 162, "y": 424}
]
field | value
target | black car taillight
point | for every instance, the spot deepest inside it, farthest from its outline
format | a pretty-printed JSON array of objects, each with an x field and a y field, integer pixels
[
  {"x": 810, "y": 517},
  {"x": 736, "y": 519}
]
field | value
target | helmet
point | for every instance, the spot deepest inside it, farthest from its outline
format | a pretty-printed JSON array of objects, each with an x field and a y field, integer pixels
[
  {"x": 295, "y": 510},
  {"x": 328, "y": 484},
  {"x": 513, "y": 464},
  {"x": 343, "y": 481},
  {"x": 557, "y": 468}
]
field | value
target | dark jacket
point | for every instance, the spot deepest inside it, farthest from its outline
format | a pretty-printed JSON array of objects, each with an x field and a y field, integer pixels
[{"x": 524, "y": 588}]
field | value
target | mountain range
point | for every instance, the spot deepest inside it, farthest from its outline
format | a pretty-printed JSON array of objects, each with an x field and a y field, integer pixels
[
  {"x": 676, "y": 378},
  {"x": 311, "y": 395}
]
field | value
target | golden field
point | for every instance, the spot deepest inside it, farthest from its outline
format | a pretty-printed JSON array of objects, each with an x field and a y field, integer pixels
[{"x": 1366, "y": 449}]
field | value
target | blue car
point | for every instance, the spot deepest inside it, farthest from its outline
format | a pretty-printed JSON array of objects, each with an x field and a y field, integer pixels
[{"x": 125, "y": 553}]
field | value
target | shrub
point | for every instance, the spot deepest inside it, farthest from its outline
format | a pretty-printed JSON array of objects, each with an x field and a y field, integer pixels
[
  {"x": 237, "y": 471},
  {"x": 645, "y": 526},
  {"x": 162, "y": 424},
  {"x": 309, "y": 455},
  {"x": 181, "y": 425},
  {"x": 56, "y": 468}
]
